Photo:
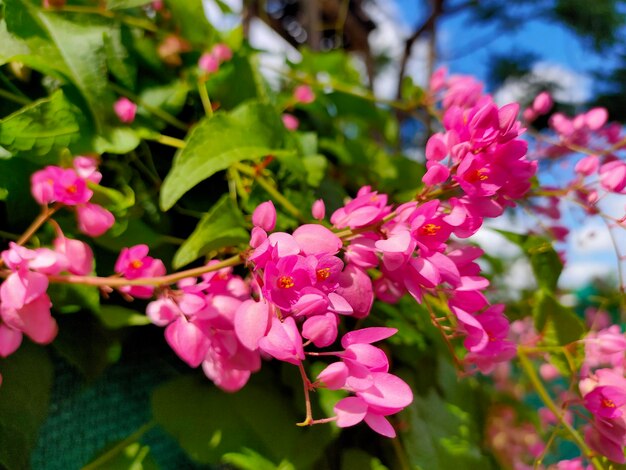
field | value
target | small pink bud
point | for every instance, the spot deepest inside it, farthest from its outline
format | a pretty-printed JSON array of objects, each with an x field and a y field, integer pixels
[
  {"x": 93, "y": 220},
  {"x": 613, "y": 176},
  {"x": 209, "y": 63},
  {"x": 436, "y": 174},
  {"x": 257, "y": 237},
  {"x": 53, "y": 3},
  {"x": 303, "y": 94},
  {"x": 595, "y": 118},
  {"x": 529, "y": 115},
  {"x": 438, "y": 79},
  {"x": 318, "y": 210},
  {"x": 157, "y": 5},
  {"x": 290, "y": 121},
  {"x": 542, "y": 103},
  {"x": 436, "y": 148},
  {"x": 125, "y": 110},
  {"x": 222, "y": 52},
  {"x": 548, "y": 372},
  {"x": 587, "y": 165},
  {"x": 264, "y": 216}
]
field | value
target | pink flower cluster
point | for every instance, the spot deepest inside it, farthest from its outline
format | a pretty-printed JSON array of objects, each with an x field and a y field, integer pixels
[
  {"x": 24, "y": 303},
  {"x": 210, "y": 62},
  {"x": 70, "y": 188}
]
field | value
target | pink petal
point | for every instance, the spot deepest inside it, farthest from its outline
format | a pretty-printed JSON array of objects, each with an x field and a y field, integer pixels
[
  {"x": 321, "y": 329},
  {"x": 264, "y": 216},
  {"x": 252, "y": 321},
  {"x": 316, "y": 239},
  {"x": 380, "y": 424},
  {"x": 10, "y": 340},
  {"x": 350, "y": 411},
  {"x": 367, "y": 335},
  {"x": 334, "y": 375},
  {"x": 187, "y": 340}
]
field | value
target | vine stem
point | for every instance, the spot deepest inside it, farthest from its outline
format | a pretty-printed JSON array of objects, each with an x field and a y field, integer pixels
[
  {"x": 42, "y": 218},
  {"x": 146, "y": 281},
  {"x": 158, "y": 112},
  {"x": 271, "y": 190},
  {"x": 308, "y": 420},
  {"x": 529, "y": 370},
  {"x": 204, "y": 97},
  {"x": 13, "y": 97}
]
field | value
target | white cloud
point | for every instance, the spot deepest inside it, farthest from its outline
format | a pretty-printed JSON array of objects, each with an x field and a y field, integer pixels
[
  {"x": 591, "y": 238},
  {"x": 570, "y": 86},
  {"x": 579, "y": 274}
]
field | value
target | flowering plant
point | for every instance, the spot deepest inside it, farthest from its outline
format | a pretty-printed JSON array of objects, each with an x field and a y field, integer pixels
[{"x": 153, "y": 178}]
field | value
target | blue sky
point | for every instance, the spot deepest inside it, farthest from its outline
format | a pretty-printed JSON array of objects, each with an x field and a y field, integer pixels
[
  {"x": 466, "y": 48},
  {"x": 461, "y": 41}
]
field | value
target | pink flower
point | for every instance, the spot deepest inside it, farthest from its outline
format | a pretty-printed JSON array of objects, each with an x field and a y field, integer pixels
[
  {"x": 290, "y": 122},
  {"x": 222, "y": 52},
  {"x": 252, "y": 322},
  {"x": 264, "y": 216},
  {"x": 93, "y": 220},
  {"x": 606, "y": 401},
  {"x": 33, "y": 318},
  {"x": 10, "y": 340},
  {"x": 542, "y": 103},
  {"x": 134, "y": 263},
  {"x": 613, "y": 176},
  {"x": 283, "y": 341},
  {"x": 318, "y": 210},
  {"x": 588, "y": 165},
  {"x": 43, "y": 183},
  {"x": 77, "y": 257},
  {"x": 125, "y": 110},
  {"x": 87, "y": 168},
  {"x": 209, "y": 63},
  {"x": 303, "y": 94}
]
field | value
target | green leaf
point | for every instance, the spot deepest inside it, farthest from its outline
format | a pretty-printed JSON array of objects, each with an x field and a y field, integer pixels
[
  {"x": 41, "y": 127},
  {"x": 357, "y": 458},
  {"x": 209, "y": 423},
  {"x": 559, "y": 325},
  {"x": 222, "y": 226},
  {"x": 121, "y": 4},
  {"x": 116, "y": 316},
  {"x": 442, "y": 435},
  {"x": 24, "y": 398},
  {"x": 248, "y": 132},
  {"x": 121, "y": 64},
  {"x": 86, "y": 344},
  {"x": 79, "y": 39},
  {"x": 251, "y": 460},
  {"x": 134, "y": 456},
  {"x": 191, "y": 20},
  {"x": 72, "y": 298},
  {"x": 544, "y": 260},
  {"x": 315, "y": 166}
]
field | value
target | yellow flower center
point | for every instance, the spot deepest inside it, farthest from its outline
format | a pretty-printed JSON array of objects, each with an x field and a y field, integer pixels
[
  {"x": 608, "y": 403},
  {"x": 285, "y": 282},
  {"x": 430, "y": 229},
  {"x": 323, "y": 274},
  {"x": 136, "y": 264}
]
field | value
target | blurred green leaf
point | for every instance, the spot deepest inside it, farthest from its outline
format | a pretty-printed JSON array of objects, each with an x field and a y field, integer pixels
[
  {"x": 122, "y": 4},
  {"x": 71, "y": 298},
  {"x": 134, "y": 456},
  {"x": 559, "y": 325},
  {"x": 191, "y": 20},
  {"x": 116, "y": 316},
  {"x": 251, "y": 460},
  {"x": 44, "y": 126},
  {"x": 86, "y": 344},
  {"x": 24, "y": 396},
  {"x": 544, "y": 260},
  {"x": 442, "y": 435},
  {"x": 209, "y": 423},
  {"x": 222, "y": 226},
  {"x": 120, "y": 62},
  {"x": 251, "y": 131}
]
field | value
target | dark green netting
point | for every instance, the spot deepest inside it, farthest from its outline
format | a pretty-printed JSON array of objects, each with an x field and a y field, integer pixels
[{"x": 85, "y": 418}]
